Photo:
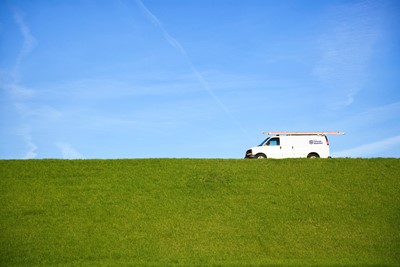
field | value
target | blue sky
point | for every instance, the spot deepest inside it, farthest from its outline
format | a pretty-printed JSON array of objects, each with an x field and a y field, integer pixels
[{"x": 199, "y": 78}]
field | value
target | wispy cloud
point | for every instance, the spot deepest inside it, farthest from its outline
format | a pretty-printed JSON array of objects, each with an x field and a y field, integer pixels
[
  {"x": 29, "y": 43},
  {"x": 42, "y": 112},
  {"x": 32, "y": 147},
  {"x": 68, "y": 152},
  {"x": 11, "y": 83},
  {"x": 369, "y": 119},
  {"x": 110, "y": 89},
  {"x": 346, "y": 48},
  {"x": 12, "y": 86},
  {"x": 371, "y": 149},
  {"x": 377, "y": 114},
  {"x": 177, "y": 45}
]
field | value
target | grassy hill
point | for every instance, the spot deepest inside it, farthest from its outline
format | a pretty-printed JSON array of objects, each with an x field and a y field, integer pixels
[{"x": 157, "y": 212}]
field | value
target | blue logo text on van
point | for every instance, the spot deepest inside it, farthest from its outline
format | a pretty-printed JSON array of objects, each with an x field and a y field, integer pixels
[{"x": 315, "y": 142}]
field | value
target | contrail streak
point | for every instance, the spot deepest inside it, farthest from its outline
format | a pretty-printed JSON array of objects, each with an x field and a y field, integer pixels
[{"x": 176, "y": 44}]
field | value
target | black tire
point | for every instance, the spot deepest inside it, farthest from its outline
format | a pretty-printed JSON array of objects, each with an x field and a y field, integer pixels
[
  {"x": 313, "y": 156},
  {"x": 260, "y": 156}
]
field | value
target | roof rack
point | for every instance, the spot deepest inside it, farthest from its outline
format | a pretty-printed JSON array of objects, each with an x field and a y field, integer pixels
[{"x": 302, "y": 133}]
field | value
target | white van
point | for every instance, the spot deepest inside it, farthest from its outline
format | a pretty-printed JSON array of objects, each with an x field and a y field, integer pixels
[{"x": 292, "y": 145}]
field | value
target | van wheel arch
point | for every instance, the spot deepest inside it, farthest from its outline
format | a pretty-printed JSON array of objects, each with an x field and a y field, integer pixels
[
  {"x": 313, "y": 155},
  {"x": 260, "y": 156}
]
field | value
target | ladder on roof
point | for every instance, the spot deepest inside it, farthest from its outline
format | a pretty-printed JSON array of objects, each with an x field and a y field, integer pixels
[{"x": 302, "y": 133}]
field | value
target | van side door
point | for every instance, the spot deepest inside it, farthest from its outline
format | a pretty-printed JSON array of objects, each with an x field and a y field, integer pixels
[
  {"x": 273, "y": 148},
  {"x": 287, "y": 148}
]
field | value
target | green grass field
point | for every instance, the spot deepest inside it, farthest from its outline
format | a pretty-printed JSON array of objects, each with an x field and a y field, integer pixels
[{"x": 196, "y": 212}]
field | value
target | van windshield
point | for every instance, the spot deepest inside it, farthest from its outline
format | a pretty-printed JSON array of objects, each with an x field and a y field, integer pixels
[{"x": 263, "y": 142}]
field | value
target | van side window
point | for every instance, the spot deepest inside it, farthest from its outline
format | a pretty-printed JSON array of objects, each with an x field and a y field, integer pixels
[{"x": 273, "y": 142}]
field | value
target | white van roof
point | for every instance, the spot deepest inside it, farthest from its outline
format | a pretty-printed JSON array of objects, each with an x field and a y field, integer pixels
[{"x": 302, "y": 133}]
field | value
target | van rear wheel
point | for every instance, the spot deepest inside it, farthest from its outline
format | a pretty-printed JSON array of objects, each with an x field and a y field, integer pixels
[
  {"x": 260, "y": 156},
  {"x": 313, "y": 156}
]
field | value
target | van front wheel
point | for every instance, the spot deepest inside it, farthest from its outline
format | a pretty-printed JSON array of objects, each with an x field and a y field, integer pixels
[
  {"x": 260, "y": 156},
  {"x": 313, "y": 156}
]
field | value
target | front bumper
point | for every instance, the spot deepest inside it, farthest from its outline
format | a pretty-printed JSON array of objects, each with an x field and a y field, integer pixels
[{"x": 249, "y": 154}]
